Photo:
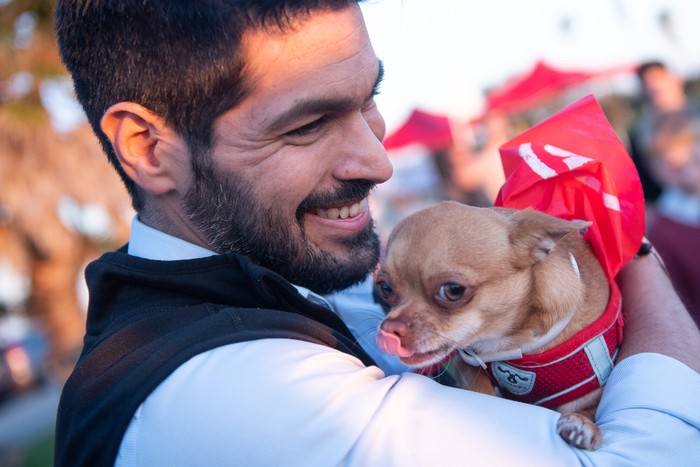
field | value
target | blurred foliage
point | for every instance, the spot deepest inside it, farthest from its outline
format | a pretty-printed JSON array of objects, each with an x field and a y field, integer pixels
[
  {"x": 56, "y": 186},
  {"x": 28, "y": 55}
]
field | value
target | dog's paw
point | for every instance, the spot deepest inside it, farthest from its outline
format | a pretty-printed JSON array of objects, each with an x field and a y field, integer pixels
[{"x": 579, "y": 431}]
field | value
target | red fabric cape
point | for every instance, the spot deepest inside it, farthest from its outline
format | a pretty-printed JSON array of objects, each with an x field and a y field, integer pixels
[{"x": 573, "y": 166}]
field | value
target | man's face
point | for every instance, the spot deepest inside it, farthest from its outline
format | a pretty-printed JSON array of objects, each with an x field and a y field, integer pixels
[
  {"x": 664, "y": 89},
  {"x": 290, "y": 169},
  {"x": 678, "y": 164}
]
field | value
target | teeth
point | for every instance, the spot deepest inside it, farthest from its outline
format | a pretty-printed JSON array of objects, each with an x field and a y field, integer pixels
[{"x": 341, "y": 213}]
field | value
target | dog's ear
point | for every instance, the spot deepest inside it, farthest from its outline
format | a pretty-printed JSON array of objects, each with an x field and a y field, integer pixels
[{"x": 534, "y": 234}]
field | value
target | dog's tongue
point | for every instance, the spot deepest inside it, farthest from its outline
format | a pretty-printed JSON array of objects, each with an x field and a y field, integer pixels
[{"x": 391, "y": 344}]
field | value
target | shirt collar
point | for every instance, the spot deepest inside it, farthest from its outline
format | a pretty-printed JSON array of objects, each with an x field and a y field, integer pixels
[
  {"x": 680, "y": 206},
  {"x": 149, "y": 243}
]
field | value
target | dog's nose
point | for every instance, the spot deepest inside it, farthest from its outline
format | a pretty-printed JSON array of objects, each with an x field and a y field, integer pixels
[{"x": 395, "y": 326}]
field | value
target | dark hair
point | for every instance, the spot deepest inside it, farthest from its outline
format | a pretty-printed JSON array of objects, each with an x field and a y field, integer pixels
[
  {"x": 650, "y": 65},
  {"x": 181, "y": 59}
]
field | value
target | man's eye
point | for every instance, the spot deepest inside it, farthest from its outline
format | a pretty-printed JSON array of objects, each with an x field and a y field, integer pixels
[{"x": 309, "y": 128}]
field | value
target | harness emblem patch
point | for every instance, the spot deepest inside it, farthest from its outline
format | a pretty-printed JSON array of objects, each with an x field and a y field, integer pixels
[{"x": 513, "y": 380}]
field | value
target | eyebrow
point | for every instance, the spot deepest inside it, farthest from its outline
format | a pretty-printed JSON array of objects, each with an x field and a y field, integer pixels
[{"x": 315, "y": 106}]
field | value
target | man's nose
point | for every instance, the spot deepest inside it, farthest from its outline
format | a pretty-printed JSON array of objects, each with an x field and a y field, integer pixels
[{"x": 362, "y": 155}]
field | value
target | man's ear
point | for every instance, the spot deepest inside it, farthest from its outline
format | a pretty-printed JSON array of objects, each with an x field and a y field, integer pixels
[{"x": 138, "y": 138}]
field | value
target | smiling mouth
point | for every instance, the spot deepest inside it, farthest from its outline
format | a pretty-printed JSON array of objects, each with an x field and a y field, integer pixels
[{"x": 342, "y": 212}]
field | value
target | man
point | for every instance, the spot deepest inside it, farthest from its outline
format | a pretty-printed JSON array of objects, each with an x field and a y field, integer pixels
[
  {"x": 663, "y": 93},
  {"x": 675, "y": 226},
  {"x": 249, "y": 139}
]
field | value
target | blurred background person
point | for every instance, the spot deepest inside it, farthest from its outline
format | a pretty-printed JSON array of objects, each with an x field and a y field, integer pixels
[
  {"x": 478, "y": 171},
  {"x": 674, "y": 228},
  {"x": 662, "y": 92}
]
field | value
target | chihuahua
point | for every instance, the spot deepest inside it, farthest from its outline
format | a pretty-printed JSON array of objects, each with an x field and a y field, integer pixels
[{"x": 502, "y": 289}]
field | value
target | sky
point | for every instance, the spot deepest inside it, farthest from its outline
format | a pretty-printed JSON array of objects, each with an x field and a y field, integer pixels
[{"x": 441, "y": 55}]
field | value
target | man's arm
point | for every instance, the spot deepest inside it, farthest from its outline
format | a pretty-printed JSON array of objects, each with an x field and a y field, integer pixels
[
  {"x": 266, "y": 402},
  {"x": 655, "y": 319},
  {"x": 280, "y": 401}
]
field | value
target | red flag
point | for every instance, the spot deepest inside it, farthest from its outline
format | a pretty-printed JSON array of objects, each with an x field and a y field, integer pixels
[{"x": 573, "y": 166}]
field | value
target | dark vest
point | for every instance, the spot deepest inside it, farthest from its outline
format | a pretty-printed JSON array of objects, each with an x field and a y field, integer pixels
[{"x": 146, "y": 318}]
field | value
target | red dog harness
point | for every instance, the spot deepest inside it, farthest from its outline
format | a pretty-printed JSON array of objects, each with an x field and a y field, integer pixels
[{"x": 568, "y": 371}]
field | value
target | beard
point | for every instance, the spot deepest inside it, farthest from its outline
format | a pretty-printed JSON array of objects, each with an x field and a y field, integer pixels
[{"x": 234, "y": 219}]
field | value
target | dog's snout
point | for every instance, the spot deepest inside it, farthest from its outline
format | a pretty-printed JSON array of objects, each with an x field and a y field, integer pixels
[
  {"x": 390, "y": 338},
  {"x": 397, "y": 327}
]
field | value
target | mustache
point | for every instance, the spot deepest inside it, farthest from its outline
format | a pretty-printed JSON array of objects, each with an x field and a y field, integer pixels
[{"x": 347, "y": 191}]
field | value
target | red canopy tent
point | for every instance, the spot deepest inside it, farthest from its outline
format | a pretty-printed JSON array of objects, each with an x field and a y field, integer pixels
[
  {"x": 517, "y": 95},
  {"x": 424, "y": 128},
  {"x": 541, "y": 83}
]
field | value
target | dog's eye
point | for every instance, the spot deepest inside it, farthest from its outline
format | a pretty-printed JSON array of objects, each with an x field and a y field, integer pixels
[
  {"x": 451, "y": 292},
  {"x": 385, "y": 290}
]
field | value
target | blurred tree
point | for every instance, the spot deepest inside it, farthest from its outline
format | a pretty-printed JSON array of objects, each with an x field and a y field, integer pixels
[
  {"x": 28, "y": 55},
  {"x": 61, "y": 204}
]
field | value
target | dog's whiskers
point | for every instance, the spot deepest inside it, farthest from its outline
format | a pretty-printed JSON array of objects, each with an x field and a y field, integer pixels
[{"x": 369, "y": 329}]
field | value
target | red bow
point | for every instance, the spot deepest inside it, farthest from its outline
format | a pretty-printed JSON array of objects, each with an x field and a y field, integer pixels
[{"x": 573, "y": 166}]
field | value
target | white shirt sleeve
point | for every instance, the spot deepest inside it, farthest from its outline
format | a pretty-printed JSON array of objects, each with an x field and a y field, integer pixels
[{"x": 287, "y": 402}]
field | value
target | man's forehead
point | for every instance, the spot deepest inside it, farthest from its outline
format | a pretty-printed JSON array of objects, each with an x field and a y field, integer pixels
[
  {"x": 309, "y": 34},
  {"x": 327, "y": 57}
]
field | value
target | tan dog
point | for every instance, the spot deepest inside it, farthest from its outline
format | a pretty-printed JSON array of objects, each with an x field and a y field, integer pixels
[{"x": 494, "y": 284}]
